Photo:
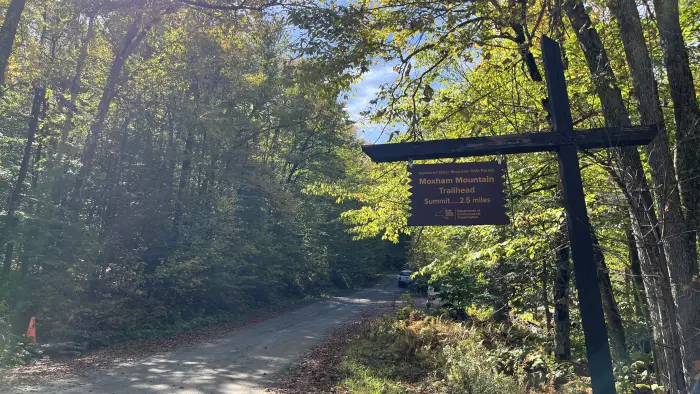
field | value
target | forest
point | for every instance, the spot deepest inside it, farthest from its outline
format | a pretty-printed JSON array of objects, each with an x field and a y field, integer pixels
[
  {"x": 169, "y": 164},
  {"x": 155, "y": 158}
]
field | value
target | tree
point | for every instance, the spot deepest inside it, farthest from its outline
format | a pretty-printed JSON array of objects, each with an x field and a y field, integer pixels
[
  {"x": 7, "y": 34},
  {"x": 680, "y": 259},
  {"x": 133, "y": 37},
  {"x": 686, "y": 111},
  {"x": 457, "y": 76},
  {"x": 190, "y": 135},
  {"x": 13, "y": 202},
  {"x": 562, "y": 321}
]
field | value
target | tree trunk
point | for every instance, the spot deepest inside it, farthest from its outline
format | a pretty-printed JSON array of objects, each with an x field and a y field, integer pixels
[
  {"x": 612, "y": 312},
  {"x": 59, "y": 166},
  {"x": 630, "y": 175},
  {"x": 640, "y": 300},
  {"x": 562, "y": 279},
  {"x": 681, "y": 256},
  {"x": 209, "y": 177},
  {"x": 685, "y": 109},
  {"x": 181, "y": 189},
  {"x": 7, "y": 35},
  {"x": 544, "y": 278},
  {"x": 185, "y": 170},
  {"x": 75, "y": 89},
  {"x": 133, "y": 37},
  {"x": 7, "y": 264},
  {"x": 15, "y": 198}
]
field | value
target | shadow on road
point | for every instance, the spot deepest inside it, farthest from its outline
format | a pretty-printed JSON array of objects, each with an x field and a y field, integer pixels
[{"x": 245, "y": 361}]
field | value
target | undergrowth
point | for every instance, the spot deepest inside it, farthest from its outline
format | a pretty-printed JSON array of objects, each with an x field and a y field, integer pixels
[
  {"x": 16, "y": 349},
  {"x": 412, "y": 352}
]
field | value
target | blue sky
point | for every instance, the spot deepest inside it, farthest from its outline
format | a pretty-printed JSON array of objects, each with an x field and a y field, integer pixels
[
  {"x": 360, "y": 96},
  {"x": 362, "y": 93}
]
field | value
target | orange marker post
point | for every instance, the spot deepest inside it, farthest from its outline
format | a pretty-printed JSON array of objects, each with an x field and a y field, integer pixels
[{"x": 31, "y": 331}]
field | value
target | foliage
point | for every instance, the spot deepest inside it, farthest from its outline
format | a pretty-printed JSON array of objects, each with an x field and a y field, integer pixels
[
  {"x": 14, "y": 349},
  {"x": 412, "y": 352},
  {"x": 474, "y": 69},
  {"x": 166, "y": 184},
  {"x": 189, "y": 162},
  {"x": 432, "y": 354}
]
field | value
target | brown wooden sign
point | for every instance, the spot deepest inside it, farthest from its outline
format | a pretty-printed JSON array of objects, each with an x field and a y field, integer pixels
[{"x": 459, "y": 194}]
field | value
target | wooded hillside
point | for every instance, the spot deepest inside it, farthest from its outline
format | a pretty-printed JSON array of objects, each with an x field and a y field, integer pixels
[{"x": 154, "y": 160}]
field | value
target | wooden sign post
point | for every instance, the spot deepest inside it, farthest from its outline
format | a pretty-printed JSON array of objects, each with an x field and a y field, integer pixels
[{"x": 566, "y": 142}]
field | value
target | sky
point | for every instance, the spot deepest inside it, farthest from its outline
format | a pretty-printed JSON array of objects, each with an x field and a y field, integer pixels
[
  {"x": 360, "y": 96},
  {"x": 362, "y": 93}
]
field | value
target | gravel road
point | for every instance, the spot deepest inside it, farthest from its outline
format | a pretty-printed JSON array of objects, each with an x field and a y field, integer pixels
[{"x": 245, "y": 361}]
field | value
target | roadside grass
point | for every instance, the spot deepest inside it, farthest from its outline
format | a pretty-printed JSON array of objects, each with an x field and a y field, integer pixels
[
  {"x": 420, "y": 351},
  {"x": 416, "y": 352}
]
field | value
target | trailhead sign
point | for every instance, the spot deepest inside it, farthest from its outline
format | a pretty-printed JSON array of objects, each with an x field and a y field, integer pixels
[
  {"x": 458, "y": 194},
  {"x": 436, "y": 200}
]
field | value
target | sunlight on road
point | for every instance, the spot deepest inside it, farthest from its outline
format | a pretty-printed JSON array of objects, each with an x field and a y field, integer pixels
[{"x": 245, "y": 362}]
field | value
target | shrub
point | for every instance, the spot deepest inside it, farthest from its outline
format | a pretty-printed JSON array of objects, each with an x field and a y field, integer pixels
[
  {"x": 410, "y": 353},
  {"x": 468, "y": 372},
  {"x": 14, "y": 349}
]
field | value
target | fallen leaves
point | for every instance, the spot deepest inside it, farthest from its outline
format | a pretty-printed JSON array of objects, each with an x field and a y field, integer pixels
[
  {"x": 317, "y": 371},
  {"x": 47, "y": 370}
]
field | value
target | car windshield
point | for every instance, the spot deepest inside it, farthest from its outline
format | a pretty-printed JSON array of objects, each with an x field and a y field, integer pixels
[{"x": 406, "y": 273}]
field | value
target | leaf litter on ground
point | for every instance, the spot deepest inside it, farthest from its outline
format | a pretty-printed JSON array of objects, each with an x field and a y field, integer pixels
[
  {"x": 318, "y": 370},
  {"x": 46, "y": 369}
]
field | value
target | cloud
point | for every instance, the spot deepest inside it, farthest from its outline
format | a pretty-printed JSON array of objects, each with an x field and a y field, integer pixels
[
  {"x": 364, "y": 91},
  {"x": 367, "y": 89}
]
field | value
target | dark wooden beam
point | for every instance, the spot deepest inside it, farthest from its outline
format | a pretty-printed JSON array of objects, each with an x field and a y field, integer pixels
[
  {"x": 595, "y": 332},
  {"x": 512, "y": 143}
]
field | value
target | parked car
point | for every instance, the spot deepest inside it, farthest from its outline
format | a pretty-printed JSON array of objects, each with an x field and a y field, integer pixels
[{"x": 405, "y": 278}]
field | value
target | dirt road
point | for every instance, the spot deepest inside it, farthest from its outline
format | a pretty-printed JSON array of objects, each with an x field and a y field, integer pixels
[{"x": 244, "y": 362}]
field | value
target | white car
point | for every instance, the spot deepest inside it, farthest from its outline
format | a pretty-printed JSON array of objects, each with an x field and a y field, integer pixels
[{"x": 405, "y": 278}]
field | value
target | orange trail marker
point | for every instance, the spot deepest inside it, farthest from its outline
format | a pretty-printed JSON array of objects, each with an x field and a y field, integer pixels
[{"x": 31, "y": 331}]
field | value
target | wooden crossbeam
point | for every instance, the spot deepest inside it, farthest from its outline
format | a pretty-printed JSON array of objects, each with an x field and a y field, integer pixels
[{"x": 512, "y": 143}]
